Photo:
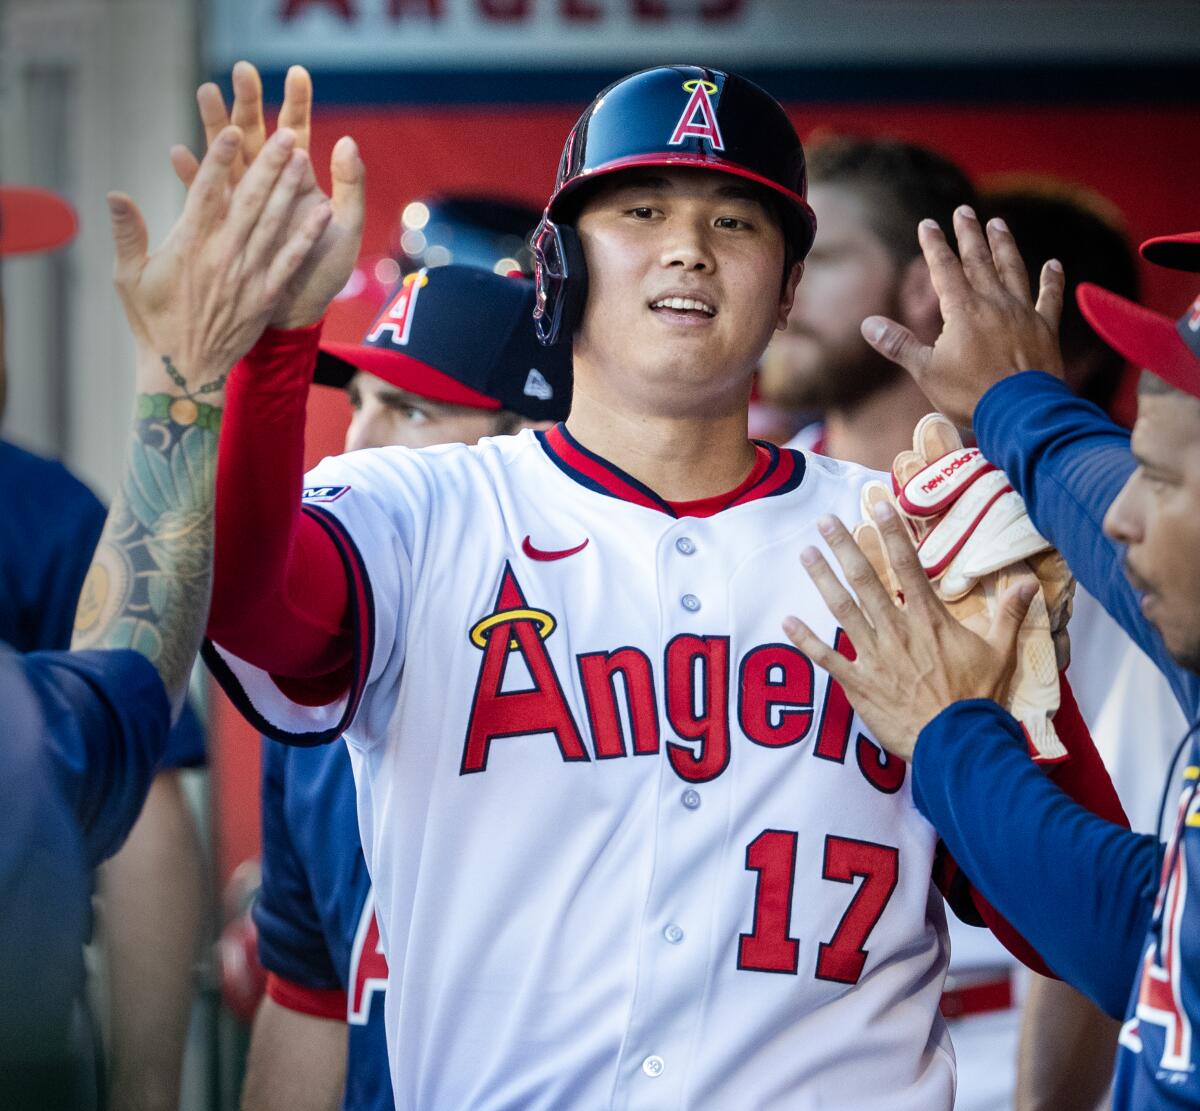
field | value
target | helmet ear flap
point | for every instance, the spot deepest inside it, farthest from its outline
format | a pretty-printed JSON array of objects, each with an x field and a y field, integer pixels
[
  {"x": 560, "y": 276},
  {"x": 575, "y": 296}
]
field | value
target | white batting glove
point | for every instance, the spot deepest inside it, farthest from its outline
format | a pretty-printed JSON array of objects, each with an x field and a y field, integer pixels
[{"x": 973, "y": 538}]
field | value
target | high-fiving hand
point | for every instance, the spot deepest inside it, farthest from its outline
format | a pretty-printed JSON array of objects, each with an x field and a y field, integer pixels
[
  {"x": 913, "y": 659},
  {"x": 991, "y": 326},
  {"x": 203, "y": 297},
  {"x": 329, "y": 266}
]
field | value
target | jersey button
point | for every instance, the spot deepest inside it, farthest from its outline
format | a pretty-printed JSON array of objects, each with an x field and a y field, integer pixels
[
  {"x": 690, "y": 603},
  {"x": 690, "y": 798},
  {"x": 653, "y": 1065},
  {"x": 685, "y": 545},
  {"x": 673, "y": 933}
]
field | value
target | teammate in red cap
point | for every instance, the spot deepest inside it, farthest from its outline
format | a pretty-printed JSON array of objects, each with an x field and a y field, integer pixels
[
  {"x": 1114, "y": 913},
  {"x": 628, "y": 848}
]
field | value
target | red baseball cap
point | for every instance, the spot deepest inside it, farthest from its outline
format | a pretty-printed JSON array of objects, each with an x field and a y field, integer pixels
[
  {"x": 1167, "y": 348},
  {"x": 34, "y": 220},
  {"x": 1179, "y": 252}
]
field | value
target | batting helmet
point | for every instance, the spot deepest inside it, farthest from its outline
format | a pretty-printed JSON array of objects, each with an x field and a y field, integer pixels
[{"x": 666, "y": 116}]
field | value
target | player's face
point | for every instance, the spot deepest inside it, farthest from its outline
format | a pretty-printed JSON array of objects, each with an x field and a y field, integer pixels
[
  {"x": 685, "y": 286},
  {"x": 821, "y": 360},
  {"x": 385, "y": 416},
  {"x": 1157, "y": 517}
]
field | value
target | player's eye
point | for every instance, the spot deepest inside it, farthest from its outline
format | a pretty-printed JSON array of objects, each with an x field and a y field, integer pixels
[
  {"x": 732, "y": 223},
  {"x": 414, "y": 415},
  {"x": 641, "y": 212}
]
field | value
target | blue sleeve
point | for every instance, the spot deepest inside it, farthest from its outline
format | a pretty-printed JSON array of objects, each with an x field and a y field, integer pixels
[
  {"x": 185, "y": 745},
  {"x": 291, "y": 941},
  {"x": 44, "y": 887},
  {"x": 1078, "y": 888},
  {"x": 107, "y": 718},
  {"x": 1069, "y": 462}
]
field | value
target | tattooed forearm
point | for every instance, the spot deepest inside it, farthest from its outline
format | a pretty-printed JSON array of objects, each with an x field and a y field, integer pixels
[{"x": 150, "y": 579}]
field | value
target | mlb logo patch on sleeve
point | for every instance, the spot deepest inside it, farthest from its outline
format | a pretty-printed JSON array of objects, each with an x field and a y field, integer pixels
[{"x": 314, "y": 494}]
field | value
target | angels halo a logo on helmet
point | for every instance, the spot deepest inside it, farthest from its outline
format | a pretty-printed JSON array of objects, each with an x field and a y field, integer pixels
[{"x": 698, "y": 105}]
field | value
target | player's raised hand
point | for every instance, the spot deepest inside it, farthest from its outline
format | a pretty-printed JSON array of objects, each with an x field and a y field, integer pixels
[
  {"x": 913, "y": 659},
  {"x": 199, "y": 302},
  {"x": 991, "y": 326},
  {"x": 329, "y": 266}
]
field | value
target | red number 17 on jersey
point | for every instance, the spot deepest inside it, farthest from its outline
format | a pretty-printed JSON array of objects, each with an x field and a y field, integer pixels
[{"x": 769, "y": 947}]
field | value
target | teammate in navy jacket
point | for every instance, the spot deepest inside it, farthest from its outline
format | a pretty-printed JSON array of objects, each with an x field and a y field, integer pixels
[{"x": 1112, "y": 912}]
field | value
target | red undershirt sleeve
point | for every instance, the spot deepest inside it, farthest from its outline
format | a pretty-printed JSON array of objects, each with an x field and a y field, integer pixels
[
  {"x": 318, "y": 1003},
  {"x": 280, "y": 593}
]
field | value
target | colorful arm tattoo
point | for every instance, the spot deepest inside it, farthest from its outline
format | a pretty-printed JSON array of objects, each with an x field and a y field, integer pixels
[{"x": 149, "y": 583}]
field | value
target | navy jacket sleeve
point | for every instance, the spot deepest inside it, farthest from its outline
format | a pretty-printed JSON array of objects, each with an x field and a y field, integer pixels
[
  {"x": 43, "y": 884},
  {"x": 1078, "y": 888},
  {"x": 186, "y": 747},
  {"x": 1069, "y": 462},
  {"x": 107, "y": 718},
  {"x": 291, "y": 940}
]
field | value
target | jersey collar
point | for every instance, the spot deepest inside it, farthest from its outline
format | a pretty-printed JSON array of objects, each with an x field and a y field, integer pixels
[{"x": 775, "y": 472}]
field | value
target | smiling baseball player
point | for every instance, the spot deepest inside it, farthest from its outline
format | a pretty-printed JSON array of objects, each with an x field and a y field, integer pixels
[{"x": 630, "y": 847}]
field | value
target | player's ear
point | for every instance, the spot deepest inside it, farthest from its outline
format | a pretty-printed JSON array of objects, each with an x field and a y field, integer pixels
[
  {"x": 787, "y": 294},
  {"x": 918, "y": 302}
]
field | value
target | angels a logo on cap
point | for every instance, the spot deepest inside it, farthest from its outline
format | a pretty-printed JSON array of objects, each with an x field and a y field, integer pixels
[
  {"x": 397, "y": 318},
  {"x": 700, "y": 105}
]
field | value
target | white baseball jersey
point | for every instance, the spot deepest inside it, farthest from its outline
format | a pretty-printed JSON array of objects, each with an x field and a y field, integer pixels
[{"x": 630, "y": 848}]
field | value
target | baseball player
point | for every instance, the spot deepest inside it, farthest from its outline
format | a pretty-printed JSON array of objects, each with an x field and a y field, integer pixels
[
  {"x": 629, "y": 848},
  {"x": 315, "y": 912}
]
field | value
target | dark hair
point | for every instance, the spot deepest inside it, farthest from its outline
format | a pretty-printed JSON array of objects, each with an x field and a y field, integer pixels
[
  {"x": 903, "y": 184},
  {"x": 1085, "y": 232}
]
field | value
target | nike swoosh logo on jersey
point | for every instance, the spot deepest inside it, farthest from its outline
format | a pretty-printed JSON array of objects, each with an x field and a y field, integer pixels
[{"x": 536, "y": 553}]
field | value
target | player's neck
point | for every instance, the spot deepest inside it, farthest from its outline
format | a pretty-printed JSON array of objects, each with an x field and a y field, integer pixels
[
  {"x": 877, "y": 429},
  {"x": 681, "y": 458}
]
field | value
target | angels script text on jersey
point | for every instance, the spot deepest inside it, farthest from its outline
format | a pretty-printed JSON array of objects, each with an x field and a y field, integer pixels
[{"x": 774, "y": 699}]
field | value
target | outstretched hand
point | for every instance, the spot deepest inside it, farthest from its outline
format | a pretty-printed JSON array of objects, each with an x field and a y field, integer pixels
[
  {"x": 328, "y": 268},
  {"x": 991, "y": 326},
  {"x": 201, "y": 299},
  {"x": 913, "y": 659}
]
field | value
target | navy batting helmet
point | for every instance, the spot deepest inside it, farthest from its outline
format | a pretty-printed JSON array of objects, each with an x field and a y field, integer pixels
[{"x": 666, "y": 116}]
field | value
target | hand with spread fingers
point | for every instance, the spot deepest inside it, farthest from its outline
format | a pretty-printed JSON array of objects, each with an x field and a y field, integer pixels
[
  {"x": 199, "y": 301},
  {"x": 913, "y": 658},
  {"x": 328, "y": 268},
  {"x": 991, "y": 326}
]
